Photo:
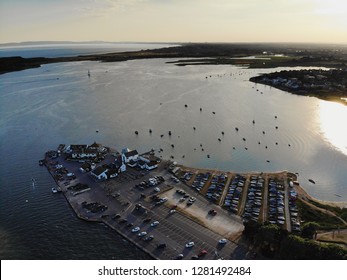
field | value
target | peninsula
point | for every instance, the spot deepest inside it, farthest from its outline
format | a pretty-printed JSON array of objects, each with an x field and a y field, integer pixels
[{"x": 176, "y": 212}]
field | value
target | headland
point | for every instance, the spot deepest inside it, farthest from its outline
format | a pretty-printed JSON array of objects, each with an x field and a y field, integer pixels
[{"x": 176, "y": 212}]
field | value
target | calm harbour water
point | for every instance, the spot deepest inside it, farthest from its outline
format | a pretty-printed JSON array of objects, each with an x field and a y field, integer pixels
[{"x": 57, "y": 103}]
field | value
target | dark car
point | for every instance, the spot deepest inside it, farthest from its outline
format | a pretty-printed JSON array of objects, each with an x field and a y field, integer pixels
[
  {"x": 148, "y": 238},
  {"x": 147, "y": 220},
  {"x": 161, "y": 245},
  {"x": 212, "y": 212},
  {"x": 116, "y": 217},
  {"x": 122, "y": 221}
]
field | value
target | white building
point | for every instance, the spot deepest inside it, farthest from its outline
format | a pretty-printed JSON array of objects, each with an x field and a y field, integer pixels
[
  {"x": 100, "y": 173},
  {"x": 130, "y": 155}
]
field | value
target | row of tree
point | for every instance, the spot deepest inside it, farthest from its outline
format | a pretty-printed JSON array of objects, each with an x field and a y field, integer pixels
[{"x": 276, "y": 243}]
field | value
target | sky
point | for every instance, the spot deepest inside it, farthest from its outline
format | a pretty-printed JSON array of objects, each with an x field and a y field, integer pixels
[{"x": 317, "y": 21}]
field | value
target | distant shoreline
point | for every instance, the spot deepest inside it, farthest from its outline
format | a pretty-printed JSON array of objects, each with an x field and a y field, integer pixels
[{"x": 248, "y": 55}]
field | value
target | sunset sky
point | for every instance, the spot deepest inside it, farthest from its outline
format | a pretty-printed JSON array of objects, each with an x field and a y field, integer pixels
[{"x": 318, "y": 21}]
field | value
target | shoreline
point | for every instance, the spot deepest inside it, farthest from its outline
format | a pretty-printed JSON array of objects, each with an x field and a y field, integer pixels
[{"x": 204, "y": 54}]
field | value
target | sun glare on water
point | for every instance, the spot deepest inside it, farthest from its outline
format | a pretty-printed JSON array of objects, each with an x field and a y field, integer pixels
[{"x": 333, "y": 121}]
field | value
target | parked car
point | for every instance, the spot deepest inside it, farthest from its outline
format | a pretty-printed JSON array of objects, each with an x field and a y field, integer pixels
[
  {"x": 190, "y": 244},
  {"x": 161, "y": 246},
  {"x": 202, "y": 253},
  {"x": 155, "y": 223},
  {"x": 136, "y": 229}
]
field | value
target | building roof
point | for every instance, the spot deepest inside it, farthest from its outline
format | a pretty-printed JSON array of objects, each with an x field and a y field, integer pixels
[
  {"x": 150, "y": 156},
  {"x": 118, "y": 161},
  {"x": 94, "y": 145},
  {"x": 111, "y": 172},
  {"x": 141, "y": 162},
  {"x": 131, "y": 153},
  {"x": 86, "y": 165},
  {"x": 77, "y": 147},
  {"x": 152, "y": 163},
  {"x": 99, "y": 170}
]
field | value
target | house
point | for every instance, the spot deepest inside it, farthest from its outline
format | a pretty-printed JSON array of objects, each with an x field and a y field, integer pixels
[
  {"x": 151, "y": 161},
  {"x": 119, "y": 164},
  {"x": 132, "y": 163},
  {"x": 100, "y": 173},
  {"x": 130, "y": 155},
  {"x": 148, "y": 157},
  {"x": 84, "y": 153},
  {"x": 151, "y": 165},
  {"x": 85, "y": 167},
  {"x": 141, "y": 164}
]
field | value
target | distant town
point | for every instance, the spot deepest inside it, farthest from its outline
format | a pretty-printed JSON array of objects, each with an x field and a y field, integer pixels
[
  {"x": 175, "y": 212},
  {"x": 325, "y": 84}
]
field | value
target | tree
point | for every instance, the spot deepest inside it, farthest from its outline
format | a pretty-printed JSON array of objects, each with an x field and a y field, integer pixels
[{"x": 309, "y": 230}]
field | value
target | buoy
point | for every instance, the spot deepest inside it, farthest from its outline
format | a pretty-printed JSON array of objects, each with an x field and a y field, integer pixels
[
  {"x": 201, "y": 108},
  {"x": 150, "y": 131},
  {"x": 258, "y": 143},
  {"x": 233, "y": 148},
  {"x": 162, "y": 135},
  {"x": 194, "y": 127},
  {"x": 136, "y": 132},
  {"x": 170, "y": 132},
  {"x": 208, "y": 156},
  {"x": 236, "y": 129},
  {"x": 213, "y": 113},
  {"x": 200, "y": 145},
  {"x": 265, "y": 147},
  {"x": 263, "y": 132},
  {"x": 202, "y": 149},
  {"x": 276, "y": 127},
  {"x": 186, "y": 105},
  {"x": 244, "y": 139},
  {"x": 172, "y": 145},
  {"x": 219, "y": 139},
  {"x": 223, "y": 132}
]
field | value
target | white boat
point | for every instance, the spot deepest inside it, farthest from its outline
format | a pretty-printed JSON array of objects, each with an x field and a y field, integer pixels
[{"x": 54, "y": 190}]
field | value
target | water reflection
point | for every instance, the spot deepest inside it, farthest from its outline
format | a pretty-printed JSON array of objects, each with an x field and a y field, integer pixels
[{"x": 333, "y": 118}]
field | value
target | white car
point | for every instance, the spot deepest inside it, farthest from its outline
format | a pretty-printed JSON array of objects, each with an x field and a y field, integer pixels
[
  {"x": 222, "y": 241},
  {"x": 190, "y": 244},
  {"x": 155, "y": 223},
  {"x": 143, "y": 233},
  {"x": 172, "y": 211},
  {"x": 136, "y": 229},
  {"x": 157, "y": 189}
]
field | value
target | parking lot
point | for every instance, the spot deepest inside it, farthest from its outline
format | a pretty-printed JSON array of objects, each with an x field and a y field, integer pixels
[{"x": 194, "y": 214}]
